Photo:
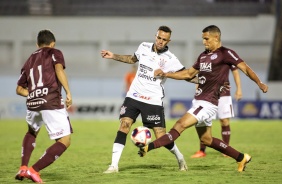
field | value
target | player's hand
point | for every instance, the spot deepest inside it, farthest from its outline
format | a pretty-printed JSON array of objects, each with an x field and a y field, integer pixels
[
  {"x": 226, "y": 87},
  {"x": 68, "y": 101},
  {"x": 263, "y": 87},
  {"x": 238, "y": 95},
  {"x": 159, "y": 73},
  {"x": 106, "y": 54}
]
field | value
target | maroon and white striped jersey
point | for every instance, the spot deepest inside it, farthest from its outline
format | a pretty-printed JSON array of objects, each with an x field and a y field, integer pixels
[
  {"x": 39, "y": 76},
  {"x": 214, "y": 72}
]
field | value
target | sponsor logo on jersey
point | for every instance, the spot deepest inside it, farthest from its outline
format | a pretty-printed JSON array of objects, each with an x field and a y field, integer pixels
[
  {"x": 38, "y": 93},
  {"x": 142, "y": 75},
  {"x": 35, "y": 103},
  {"x": 206, "y": 67},
  {"x": 202, "y": 80},
  {"x": 143, "y": 71},
  {"x": 153, "y": 118},
  {"x": 146, "y": 67},
  {"x": 137, "y": 95},
  {"x": 198, "y": 91}
]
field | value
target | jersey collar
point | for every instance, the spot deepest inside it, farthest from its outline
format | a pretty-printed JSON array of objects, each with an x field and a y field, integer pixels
[{"x": 162, "y": 51}]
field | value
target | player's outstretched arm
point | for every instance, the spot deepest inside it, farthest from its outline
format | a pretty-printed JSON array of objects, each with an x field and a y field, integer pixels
[
  {"x": 186, "y": 74},
  {"x": 122, "y": 58},
  {"x": 252, "y": 75},
  {"x": 194, "y": 80},
  {"x": 60, "y": 73}
]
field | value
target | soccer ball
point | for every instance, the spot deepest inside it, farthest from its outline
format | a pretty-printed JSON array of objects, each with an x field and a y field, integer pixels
[{"x": 141, "y": 136}]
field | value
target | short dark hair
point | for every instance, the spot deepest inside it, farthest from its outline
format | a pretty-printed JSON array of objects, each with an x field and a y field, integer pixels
[
  {"x": 165, "y": 29},
  {"x": 213, "y": 29},
  {"x": 45, "y": 37}
]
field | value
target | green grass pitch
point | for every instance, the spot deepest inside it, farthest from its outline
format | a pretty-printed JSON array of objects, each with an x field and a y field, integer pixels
[{"x": 90, "y": 154}]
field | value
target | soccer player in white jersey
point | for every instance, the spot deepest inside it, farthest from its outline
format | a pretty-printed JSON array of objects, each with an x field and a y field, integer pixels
[
  {"x": 146, "y": 93},
  {"x": 212, "y": 67},
  {"x": 225, "y": 111}
]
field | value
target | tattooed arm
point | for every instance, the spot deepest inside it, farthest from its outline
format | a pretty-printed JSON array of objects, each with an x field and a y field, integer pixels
[{"x": 130, "y": 59}]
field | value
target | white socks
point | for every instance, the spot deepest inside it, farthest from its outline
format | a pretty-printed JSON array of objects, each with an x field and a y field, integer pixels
[
  {"x": 176, "y": 152},
  {"x": 117, "y": 150}
]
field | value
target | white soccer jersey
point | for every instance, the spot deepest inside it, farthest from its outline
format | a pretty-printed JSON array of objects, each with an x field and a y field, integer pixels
[{"x": 145, "y": 87}]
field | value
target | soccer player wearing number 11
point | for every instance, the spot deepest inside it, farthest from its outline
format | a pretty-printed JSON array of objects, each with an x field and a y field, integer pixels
[{"x": 41, "y": 81}]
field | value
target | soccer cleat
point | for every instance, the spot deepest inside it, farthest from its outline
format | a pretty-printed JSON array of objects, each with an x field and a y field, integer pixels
[
  {"x": 242, "y": 165},
  {"x": 182, "y": 165},
  {"x": 111, "y": 169},
  {"x": 22, "y": 173},
  {"x": 34, "y": 176},
  {"x": 199, "y": 154},
  {"x": 143, "y": 150}
]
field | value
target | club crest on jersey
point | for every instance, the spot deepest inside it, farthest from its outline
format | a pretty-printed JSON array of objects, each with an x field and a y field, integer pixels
[
  {"x": 213, "y": 57},
  {"x": 122, "y": 110},
  {"x": 162, "y": 63},
  {"x": 206, "y": 67}
]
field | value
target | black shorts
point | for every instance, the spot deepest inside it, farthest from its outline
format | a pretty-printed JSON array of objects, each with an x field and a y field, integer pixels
[{"x": 152, "y": 115}]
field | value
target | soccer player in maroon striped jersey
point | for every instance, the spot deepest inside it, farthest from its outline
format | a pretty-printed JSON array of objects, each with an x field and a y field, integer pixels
[
  {"x": 212, "y": 67},
  {"x": 41, "y": 81}
]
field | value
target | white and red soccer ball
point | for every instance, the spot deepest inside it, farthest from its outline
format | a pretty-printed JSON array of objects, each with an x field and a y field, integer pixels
[{"x": 141, "y": 136}]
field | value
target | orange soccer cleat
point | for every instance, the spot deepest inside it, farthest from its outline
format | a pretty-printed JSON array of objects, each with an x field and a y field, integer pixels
[{"x": 199, "y": 154}]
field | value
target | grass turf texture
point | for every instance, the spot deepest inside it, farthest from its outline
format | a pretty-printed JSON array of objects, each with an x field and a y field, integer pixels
[{"x": 90, "y": 154}]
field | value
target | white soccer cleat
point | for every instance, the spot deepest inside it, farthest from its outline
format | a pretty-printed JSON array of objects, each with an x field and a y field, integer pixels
[
  {"x": 182, "y": 165},
  {"x": 111, "y": 169}
]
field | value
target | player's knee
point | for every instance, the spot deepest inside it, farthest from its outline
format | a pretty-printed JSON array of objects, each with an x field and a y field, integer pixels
[
  {"x": 125, "y": 124},
  {"x": 159, "y": 131},
  {"x": 224, "y": 122},
  {"x": 206, "y": 141},
  {"x": 65, "y": 140}
]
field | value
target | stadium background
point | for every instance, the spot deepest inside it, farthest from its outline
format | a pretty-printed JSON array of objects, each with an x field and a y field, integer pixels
[{"x": 82, "y": 28}]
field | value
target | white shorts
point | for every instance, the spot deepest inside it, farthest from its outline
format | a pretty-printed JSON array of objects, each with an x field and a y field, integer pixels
[
  {"x": 56, "y": 122},
  {"x": 203, "y": 111},
  {"x": 225, "y": 108}
]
